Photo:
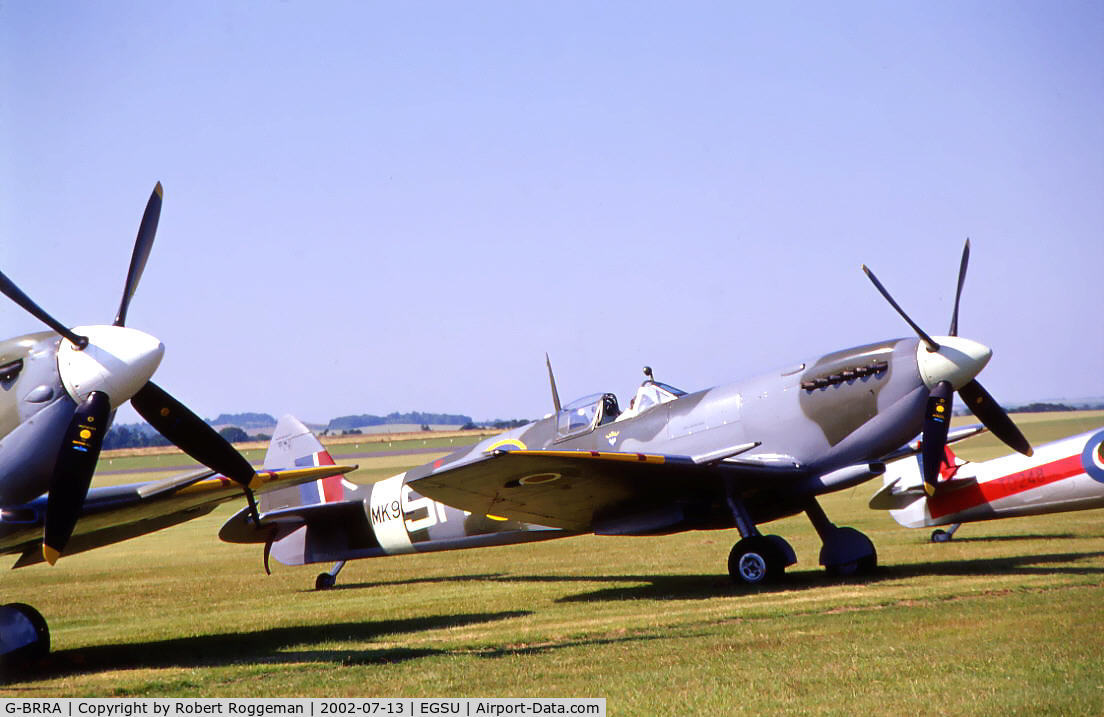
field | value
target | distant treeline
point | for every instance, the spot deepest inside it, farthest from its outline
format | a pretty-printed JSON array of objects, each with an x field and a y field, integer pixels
[
  {"x": 244, "y": 420},
  {"x": 139, "y": 435},
  {"x": 344, "y": 423},
  {"x": 1040, "y": 407}
]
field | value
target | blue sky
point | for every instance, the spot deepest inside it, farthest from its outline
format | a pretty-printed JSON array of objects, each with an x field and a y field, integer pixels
[{"x": 375, "y": 207}]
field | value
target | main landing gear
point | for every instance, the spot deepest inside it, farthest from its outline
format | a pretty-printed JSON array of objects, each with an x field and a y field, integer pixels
[
  {"x": 761, "y": 559},
  {"x": 845, "y": 551},
  {"x": 24, "y": 637},
  {"x": 757, "y": 559},
  {"x": 325, "y": 581}
]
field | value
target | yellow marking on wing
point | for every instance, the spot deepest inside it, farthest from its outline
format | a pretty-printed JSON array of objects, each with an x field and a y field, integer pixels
[
  {"x": 496, "y": 517},
  {"x": 505, "y": 442},
  {"x": 600, "y": 455}
]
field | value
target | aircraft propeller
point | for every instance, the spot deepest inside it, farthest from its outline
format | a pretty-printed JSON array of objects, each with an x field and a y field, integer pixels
[
  {"x": 101, "y": 368},
  {"x": 961, "y": 359}
]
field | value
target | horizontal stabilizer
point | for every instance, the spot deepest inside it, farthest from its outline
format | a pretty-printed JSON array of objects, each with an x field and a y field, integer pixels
[
  {"x": 240, "y": 528},
  {"x": 892, "y": 497}
]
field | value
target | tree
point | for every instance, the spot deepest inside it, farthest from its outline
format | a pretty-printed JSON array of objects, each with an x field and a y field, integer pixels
[{"x": 233, "y": 434}]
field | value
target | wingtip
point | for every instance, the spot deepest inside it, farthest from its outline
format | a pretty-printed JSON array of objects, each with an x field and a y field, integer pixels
[
  {"x": 159, "y": 191},
  {"x": 49, "y": 554}
]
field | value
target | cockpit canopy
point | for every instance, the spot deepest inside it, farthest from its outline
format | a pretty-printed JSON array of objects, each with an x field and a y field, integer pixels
[
  {"x": 653, "y": 393},
  {"x": 589, "y": 412},
  {"x": 586, "y": 413}
]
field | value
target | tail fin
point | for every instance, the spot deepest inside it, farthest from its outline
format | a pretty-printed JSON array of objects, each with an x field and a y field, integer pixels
[{"x": 295, "y": 446}]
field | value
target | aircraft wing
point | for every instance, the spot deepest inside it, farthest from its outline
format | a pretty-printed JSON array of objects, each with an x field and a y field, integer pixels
[
  {"x": 117, "y": 513},
  {"x": 575, "y": 490}
]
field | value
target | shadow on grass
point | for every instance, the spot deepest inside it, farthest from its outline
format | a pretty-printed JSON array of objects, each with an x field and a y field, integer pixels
[
  {"x": 270, "y": 647},
  {"x": 704, "y": 587},
  {"x": 411, "y": 581},
  {"x": 1011, "y": 538},
  {"x": 698, "y": 587}
]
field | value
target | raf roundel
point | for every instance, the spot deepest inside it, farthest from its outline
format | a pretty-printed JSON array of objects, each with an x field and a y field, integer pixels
[
  {"x": 1092, "y": 458},
  {"x": 539, "y": 478}
]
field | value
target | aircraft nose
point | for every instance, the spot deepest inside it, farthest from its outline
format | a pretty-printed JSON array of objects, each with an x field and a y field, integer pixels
[
  {"x": 958, "y": 361},
  {"x": 117, "y": 361}
]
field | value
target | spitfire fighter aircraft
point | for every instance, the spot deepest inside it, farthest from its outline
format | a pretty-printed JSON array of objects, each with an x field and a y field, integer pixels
[
  {"x": 1063, "y": 475},
  {"x": 731, "y": 456},
  {"x": 58, "y": 392}
]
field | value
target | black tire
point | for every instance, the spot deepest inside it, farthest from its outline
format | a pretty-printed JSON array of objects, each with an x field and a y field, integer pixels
[
  {"x": 755, "y": 561},
  {"x": 940, "y": 536},
  {"x": 29, "y": 632},
  {"x": 324, "y": 581}
]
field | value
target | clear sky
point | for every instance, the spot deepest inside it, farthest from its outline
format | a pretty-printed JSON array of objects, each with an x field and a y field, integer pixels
[{"x": 375, "y": 207}]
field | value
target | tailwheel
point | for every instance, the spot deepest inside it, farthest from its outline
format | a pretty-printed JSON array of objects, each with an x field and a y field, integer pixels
[
  {"x": 758, "y": 560},
  {"x": 944, "y": 536}
]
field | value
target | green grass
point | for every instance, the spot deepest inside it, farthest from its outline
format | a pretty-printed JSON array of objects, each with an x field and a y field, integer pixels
[{"x": 1006, "y": 619}]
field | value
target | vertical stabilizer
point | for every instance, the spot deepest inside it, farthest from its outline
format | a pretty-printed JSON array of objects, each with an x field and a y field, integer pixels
[{"x": 295, "y": 446}]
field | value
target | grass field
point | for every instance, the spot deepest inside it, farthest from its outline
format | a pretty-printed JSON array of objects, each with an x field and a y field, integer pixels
[{"x": 1006, "y": 619}]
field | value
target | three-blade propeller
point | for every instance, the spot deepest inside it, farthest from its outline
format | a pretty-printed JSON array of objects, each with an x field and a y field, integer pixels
[
  {"x": 113, "y": 366},
  {"x": 937, "y": 417}
]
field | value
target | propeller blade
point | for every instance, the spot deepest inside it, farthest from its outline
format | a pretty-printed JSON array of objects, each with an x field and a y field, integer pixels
[
  {"x": 76, "y": 462},
  {"x": 14, "y": 293},
  {"x": 937, "y": 420},
  {"x": 932, "y": 346},
  {"x": 958, "y": 294},
  {"x": 989, "y": 412},
  {"x": 190, "y": 433},
  {"x": 143, "y": 243}
]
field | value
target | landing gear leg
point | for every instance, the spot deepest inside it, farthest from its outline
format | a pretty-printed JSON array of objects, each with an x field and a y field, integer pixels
[
  {"x": 845, "y": 551},
  {"x": 325, "y": 581},
  {"x": 944, "y": 536},
  {"x": 757, "y": 559}
]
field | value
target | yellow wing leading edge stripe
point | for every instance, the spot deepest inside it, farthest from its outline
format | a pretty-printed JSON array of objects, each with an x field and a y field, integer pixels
[{"x": 601, "y": 455}]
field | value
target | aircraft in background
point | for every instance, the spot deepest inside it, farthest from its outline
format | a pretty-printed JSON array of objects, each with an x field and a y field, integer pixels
[
  {"x": 1062, "y": 476},
  {"x": 732, "y": 456},
  {"x": 113, "y": 514},
  {"x": 59, "y": 390},
  {"x": 58, "y": 393}
]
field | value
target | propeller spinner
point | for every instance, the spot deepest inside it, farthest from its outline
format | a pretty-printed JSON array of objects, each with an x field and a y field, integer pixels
[
  {"x": 948, "y": 364},
  {"x": 101, "y": 368}
]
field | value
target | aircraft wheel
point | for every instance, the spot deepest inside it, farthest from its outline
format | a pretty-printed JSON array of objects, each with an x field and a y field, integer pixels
[
  {"x": 755, "y": 561},
  {"x": 324, "y": 581},
  {"x": 24, "y": 636},
  {"x": 940, "y": 536},
  {"x": 862, "y": 566}
]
